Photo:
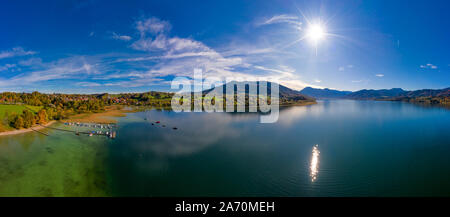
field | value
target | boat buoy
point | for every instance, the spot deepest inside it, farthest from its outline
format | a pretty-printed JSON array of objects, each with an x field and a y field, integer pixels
[
  {"x": 175, "y": 128},
  {"x": 157, "y": 122}
]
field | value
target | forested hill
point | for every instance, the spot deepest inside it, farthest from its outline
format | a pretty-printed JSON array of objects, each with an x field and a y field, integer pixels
[{"x": 286, "y": 94}]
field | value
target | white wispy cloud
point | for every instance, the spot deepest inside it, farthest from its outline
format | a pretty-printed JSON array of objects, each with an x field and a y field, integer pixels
[
  {"x": 283, "y": 18},
  {"x": 379, "y": 75},
  {"x": 365, "y": 81},
  {"x": 343, "y": 68},
  {"x": 152, "y": 25},
  {"x": 31, "y": 62},
  {"x": 88, "y": 84},
  {"x": 68, "y": 68},
  {"x": 17, "y": 51},
  {"x": 121, "y": 37},
  {"x": 7, "y": 66},
  {"x": 428, "y": 66}
]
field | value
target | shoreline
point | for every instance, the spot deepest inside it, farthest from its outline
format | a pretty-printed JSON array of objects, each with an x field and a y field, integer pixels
[
  {"x": 31, "y": 129},
  {"x": 106, "y": 117}
]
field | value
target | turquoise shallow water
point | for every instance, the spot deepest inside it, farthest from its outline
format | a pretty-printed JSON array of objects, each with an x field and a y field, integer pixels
[
  {"x": 334, "y": 148},
  {"x": 61, "y": 164}
]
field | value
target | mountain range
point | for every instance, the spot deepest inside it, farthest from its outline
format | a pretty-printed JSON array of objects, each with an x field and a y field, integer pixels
[
  {"x": 309, "y": 94},
  {"x": 324, "y": 93},
  {"x": 433, "y": 96}
]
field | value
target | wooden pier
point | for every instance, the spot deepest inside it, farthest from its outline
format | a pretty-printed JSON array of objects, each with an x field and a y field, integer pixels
[{"x": 40, "y": 132}]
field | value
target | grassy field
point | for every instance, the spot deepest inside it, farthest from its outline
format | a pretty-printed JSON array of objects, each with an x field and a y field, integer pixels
[{"x": 17, "y": 109}]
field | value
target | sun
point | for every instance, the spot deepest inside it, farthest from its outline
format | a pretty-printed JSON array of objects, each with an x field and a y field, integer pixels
[{"x": 315, "y": 33}]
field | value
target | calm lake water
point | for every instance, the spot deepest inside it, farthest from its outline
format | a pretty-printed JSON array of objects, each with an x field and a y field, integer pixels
[{"x": 334, "y": 148}]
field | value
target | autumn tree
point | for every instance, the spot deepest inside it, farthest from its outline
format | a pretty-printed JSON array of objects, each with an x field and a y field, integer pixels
[
  {"x": 19, "y": 122},
  {"x": 28, "y": 119},
  {"x": 42, "y": 117}
]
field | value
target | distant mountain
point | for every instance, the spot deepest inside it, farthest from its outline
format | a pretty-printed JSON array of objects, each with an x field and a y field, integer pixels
[
  {"x": 429, "y": 93},
  {"x": 289, "y": 96},
  {"x": 425, "y": 96},
  {"x": 376, "y": 94},
  {"x": 395, "y": 93},
  {"x": 286, "y": 94},
  {"x": 324, "y": 93}
]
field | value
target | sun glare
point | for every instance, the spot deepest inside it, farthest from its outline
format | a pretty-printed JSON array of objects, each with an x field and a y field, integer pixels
[{"x": 315, "y": 33}]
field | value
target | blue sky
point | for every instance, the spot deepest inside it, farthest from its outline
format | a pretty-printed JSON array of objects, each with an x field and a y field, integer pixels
[{"x": 97, "y": 46}]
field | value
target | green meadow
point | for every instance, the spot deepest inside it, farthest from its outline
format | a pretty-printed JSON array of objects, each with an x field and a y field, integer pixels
[{"x": 17, "y": 109}]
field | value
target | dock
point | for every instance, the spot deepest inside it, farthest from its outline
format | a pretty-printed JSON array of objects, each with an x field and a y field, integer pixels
[
  {"x": 40, "y": 132},
  {"x": 110, "y": 134}
]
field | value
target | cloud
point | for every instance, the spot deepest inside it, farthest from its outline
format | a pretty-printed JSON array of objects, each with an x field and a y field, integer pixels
[
  {"x": 283, "y": 18},
  {"x": 7, "y": 66},
  {"x": 428, "y": 66},
  {"x": 366, "y": 81},
  {"x": 68, "y": 68},
  {"x": 121, "y": 37},
  {"x": 317, "y": 81},
  {"x": 175, "y": 56},
  {"x": 88, "y": 84},
  {"x": 152, "y": 25},
  {"x": 343, "y": 68},
  {"x": 31, "y": 62},
  {"x": 379, "y": 75},
  {"x": 138, "y": 82},
  {"x": 17, "y": 51},
  {"x": 172, "y": 45}
]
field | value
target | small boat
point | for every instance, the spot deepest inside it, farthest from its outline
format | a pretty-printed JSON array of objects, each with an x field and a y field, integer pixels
[
  {"x": 163, "y": 125},
  {"x": 157, "y": 122},
  {"x": 153, "y": 124},
  {"x": 175, "y": 128}
]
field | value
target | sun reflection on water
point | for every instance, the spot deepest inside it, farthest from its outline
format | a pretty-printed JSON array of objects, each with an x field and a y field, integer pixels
[{"x": 314, "y": 166}]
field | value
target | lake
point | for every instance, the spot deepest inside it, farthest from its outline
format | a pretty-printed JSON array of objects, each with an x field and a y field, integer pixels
[{"x": 333, "y": 148}]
